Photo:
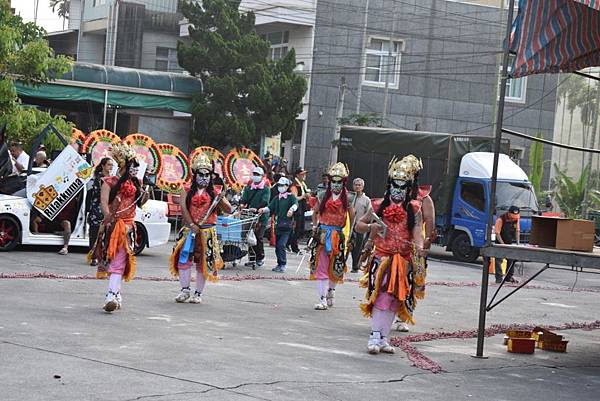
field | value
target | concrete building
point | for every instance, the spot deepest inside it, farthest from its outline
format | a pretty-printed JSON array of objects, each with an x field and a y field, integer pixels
[
  {"x": 140, "y": 34},
  {"x": 441, "y": 71}
]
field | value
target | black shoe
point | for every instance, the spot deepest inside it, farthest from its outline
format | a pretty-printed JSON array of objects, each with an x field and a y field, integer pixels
[
  {"x": 498, "y": 280},
  {"x": 512, "y": 280},
  {"x": 354, "y": 271}
]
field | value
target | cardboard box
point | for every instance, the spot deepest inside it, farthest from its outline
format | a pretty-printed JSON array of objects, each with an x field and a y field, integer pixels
[
  {"x": 560, "y": 346},
  {"x": 543, "y": 335},
  {"x": 521, "y": 345},
  {"x": 561, "y": 233}
]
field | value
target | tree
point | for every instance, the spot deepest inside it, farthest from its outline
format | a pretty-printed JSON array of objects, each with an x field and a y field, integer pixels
[
  {"x": 536, "y": 165},
  {"x": 362, "y": 119},
  {"x": 63, "y": 7},
  {"x": 25, "y": 55},
  {"x": 245, "y": 94},
  {"x": 570, "y": 193}
]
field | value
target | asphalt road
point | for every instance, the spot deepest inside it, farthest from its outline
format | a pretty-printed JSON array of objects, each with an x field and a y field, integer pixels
[{"x": 256, "y": 336}]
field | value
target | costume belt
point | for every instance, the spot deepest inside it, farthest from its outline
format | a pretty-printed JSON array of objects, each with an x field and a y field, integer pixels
[{"x": 328, "y": 233}]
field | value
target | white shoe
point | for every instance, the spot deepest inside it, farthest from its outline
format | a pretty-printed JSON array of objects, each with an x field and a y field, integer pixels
[
  {"x": 63, "y": 251},
  {"x": 321, "y": 305},
  {"x": 183, "y": 296},
  {"x": 373, "y": 344},
  {"x": 330, "y": 296},
  {"x": 119, "y": 300},
  {"x": 385, "y": 347},
  {"x": 402, "y": 326},
  {"x": 110, "y": 303},
  {"x": 196, "y": 298}
]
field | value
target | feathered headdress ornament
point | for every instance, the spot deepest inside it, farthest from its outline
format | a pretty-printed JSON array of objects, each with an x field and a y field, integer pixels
[
  {"x": 404, "y": 169},
  {"x": 338, "y": 170},
  {"x": 122, "y": 153},
  {"x": 201, "y": 162}
]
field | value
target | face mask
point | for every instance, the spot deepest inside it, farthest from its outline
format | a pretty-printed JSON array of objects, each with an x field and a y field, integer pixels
[
  {"x": 397, "y": 194},
  {"x": 256, "y": 178},
  {"x": 133, "y": 171},
  {"x": 282, "y": 189},
  {"x": 336, "y": 187}
]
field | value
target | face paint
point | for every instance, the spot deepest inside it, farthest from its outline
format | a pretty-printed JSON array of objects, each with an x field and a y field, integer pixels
[
  {"x": 133, "y": 171},
  {"x": 337, "y": 186},
  {"x": 398, "y": 190},
  {"x": 282, "y": 188},
  {"x": 202, "y": 179}
]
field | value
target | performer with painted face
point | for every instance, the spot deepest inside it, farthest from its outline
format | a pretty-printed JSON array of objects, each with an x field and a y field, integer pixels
[
  {"x": 113, "y": 250},
  {"x": 197, "y": 242},
  {"x": 395, "y": 270},
  {"x": 328, "y": 251}
]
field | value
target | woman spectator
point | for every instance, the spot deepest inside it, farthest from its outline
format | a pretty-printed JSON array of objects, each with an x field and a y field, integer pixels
[{"x": 95, "y": 215}]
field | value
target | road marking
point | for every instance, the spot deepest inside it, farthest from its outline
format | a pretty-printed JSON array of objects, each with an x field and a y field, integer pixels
[
  {"x": 558, "y": 305},
  {"x": 320, "y": 349},
  {"x": 164, "y": 318}
]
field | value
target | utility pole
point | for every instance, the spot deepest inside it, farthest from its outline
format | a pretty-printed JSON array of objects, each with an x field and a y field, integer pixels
[
  {"x": 386, "y": 90},
  {"x": 363, "y": 58},
  {"x": 339, "y": 115},
  {"x": 498, "y": 72}
]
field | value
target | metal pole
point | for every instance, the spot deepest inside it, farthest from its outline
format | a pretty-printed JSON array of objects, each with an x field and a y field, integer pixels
[
  {"x": 586, "y": 190},
  {"x": 363, "y": 59},
  {"x": 105, "y": 106},
  {"x": 498, "y": 74},
  {"x": 339, "y": 115},
  {"x": 492, "y": 202},
  {"x": 115, "y": 122}
]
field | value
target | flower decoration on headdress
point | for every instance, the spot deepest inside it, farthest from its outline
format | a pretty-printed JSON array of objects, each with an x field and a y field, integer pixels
[
  {"x": 338, "y": 170},
  {"x": 122, "y": 153},
  {"x": 201, "y": 162},
  {"x": 404, "y": 169}
]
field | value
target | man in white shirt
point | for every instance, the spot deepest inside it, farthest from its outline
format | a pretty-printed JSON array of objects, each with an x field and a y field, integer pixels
[
  {"x": 362, "y": 206},
  {"x": 21, "y": 159}
]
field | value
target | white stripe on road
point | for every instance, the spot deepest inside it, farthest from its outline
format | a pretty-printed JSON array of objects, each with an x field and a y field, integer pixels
[
  {"x": 558, "y": 305},
  {"x": 320, "y": 349}
]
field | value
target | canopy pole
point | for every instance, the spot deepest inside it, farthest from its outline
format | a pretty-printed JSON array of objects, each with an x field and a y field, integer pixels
[
  {"x": 492, "y": 202},
  {"x": 115, "y": 122},
  {"x": 105, "y": 106}
]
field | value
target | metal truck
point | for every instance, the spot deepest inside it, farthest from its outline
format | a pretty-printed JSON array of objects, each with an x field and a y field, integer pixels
[{"x": 459, "y": 170}]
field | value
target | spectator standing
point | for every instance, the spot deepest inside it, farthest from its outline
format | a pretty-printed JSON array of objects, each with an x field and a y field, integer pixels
[
  {"x": 302, "y": 193},
  {"x": 21, "y": 158},
  {"x": 507, "y": 231},
  {"x": 362, "y": 207},
  {"x": 95, "y": 215},
  {"x": 256, "y": 195}
]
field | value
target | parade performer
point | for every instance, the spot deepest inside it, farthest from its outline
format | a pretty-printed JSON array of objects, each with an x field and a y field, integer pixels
[
  {"x": 119, "y": 197},
  {"x": 197, "y": 242},
  {"x": 395, "y": 270},
  {"x": 328, "y": 250}
]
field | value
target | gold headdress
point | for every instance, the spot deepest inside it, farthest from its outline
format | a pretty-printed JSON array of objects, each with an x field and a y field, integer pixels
[
  {"x": 404, "y": 169},
  {"x": 122, "y": 153},
  {"x": 201, "y": 162},
  {"x": 338, "y": 170}
]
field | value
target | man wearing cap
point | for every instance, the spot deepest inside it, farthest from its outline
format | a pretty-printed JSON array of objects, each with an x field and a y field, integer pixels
[
  {"x": 256, "y": 195},
  {"x": 507, "y": 231},
  {"x": 302, "y": 193}
]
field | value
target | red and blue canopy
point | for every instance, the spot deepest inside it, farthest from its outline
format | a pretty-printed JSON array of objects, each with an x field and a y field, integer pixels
[{"x": 551, "y": 36}]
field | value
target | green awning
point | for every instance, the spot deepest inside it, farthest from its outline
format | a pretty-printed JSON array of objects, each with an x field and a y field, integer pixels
[{"x": 127, "y": 87}]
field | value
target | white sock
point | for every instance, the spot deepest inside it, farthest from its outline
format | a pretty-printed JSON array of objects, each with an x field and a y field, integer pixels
[
  {"x": 332, "y": 285},
  {"x": 185, "y": 276},
  {"x": 382, "y": 321},
  {"x": 200, "y": 281},
  {"x": 114, "y": 282}
]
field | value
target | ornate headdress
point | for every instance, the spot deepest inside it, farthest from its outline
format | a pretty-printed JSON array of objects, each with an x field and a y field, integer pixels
[
  {"x": 338, "y": 170},
  {"x": 122, "y": 153},
  {"x": 201, "y": 162},
  {"x": 404, "y": 169}
]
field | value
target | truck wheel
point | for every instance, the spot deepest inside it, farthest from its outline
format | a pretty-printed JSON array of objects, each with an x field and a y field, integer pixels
[
  {"x": 462, "y": 249},
  {"x": 9, "y": 234},
  {"x": 141, "y": 239}
]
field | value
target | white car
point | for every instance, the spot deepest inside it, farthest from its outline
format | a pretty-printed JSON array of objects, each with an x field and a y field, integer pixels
[{"x": 153, "y": 228}]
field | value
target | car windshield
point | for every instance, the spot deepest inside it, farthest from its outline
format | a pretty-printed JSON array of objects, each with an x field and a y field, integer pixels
[{"x": 516, "y": 194}]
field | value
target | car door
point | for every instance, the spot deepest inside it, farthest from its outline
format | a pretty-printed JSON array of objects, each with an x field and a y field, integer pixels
[{"x": 469, "y": 209}]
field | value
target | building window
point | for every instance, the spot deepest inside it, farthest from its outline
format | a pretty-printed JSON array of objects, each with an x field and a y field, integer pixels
[
  {"x": 382, "y": 63},
  {"x": 166, "y": 60},
  {"x": 515, "y": 88},
  {"x": 473, "y": 194},
  {"x": 279, "y": 44},
  {"x": 516, "y": 155},
  {"x": 99, "y": 3}
]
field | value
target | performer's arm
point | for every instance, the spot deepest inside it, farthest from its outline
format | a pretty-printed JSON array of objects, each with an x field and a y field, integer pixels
[
  {"x": 185, "y": 213},
  {"x": 315, "y": 216},
  {"x": 428, "y": 210},
  {"x": 104, "y": 195},
  {"x": 224, "y": 205},
  {"x": 417, "y": 234}
]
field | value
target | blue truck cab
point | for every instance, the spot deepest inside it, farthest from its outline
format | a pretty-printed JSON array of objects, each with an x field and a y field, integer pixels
[{"x": 471, "y": 201}]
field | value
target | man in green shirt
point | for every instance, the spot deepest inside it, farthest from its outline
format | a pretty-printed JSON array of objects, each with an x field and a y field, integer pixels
[{"x": 256, "y": 196}]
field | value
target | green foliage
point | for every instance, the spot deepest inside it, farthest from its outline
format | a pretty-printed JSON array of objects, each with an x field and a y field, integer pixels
[
  {"x": 362, "y": 120},
  {"x": 24, "y": 54},
  {"x": 246, "y": 95},
  {"x": 25, "y": 124},
  {"x": 536, "y": 165},
  {"x": 570, "y": 193}
]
